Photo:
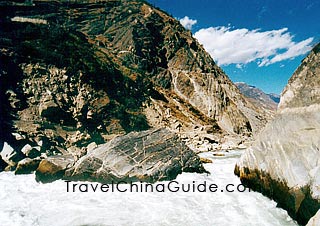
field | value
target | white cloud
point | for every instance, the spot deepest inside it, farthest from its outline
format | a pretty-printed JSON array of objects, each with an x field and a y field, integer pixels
[
  {"x": 242, "y": 46},
  {"x": 187, "y": 22}
]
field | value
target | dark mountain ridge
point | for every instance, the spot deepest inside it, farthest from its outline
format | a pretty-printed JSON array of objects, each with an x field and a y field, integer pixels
[{"x": 75, "y": 73}]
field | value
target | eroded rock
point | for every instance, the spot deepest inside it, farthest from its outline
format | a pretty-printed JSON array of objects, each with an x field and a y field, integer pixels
[
  {"x": 284, "y": 162},
  {"x": 27, "y": 166},
  {"x": 10, "y": 156},
  {"x": 31, "y": 152},
  {"x": 53, "y": 168},
  {"x": 150, "y": 156},
  {"x": 315, "y": 220}
]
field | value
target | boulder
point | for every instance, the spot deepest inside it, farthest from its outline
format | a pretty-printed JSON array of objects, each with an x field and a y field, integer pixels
[
  {"x": 211, "y": 138},
  {"x": 31, "y": 152},
  {"x": 315, "y": 220},
  {"x": 53, "y": 168},
  {"x": 284, "y": 161},
  {"x": 149, "y": 156},
  {"x": 9, "y": 155},
  {"x": 91, "y": 146},
  {"x": 27, "y": 166}
]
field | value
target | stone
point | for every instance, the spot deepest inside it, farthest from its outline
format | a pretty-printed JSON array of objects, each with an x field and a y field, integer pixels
[
  {"x": 208, "y": 129},
  {"x": 48, "y": 108},
  {"x": 242, "y": 146},
  {"x": 149, "y": 156},
  {"x": 18, "y": 136},
  {"x": 91, "y": 146},
  {"x": 284, "y": 160},
  {"x": 9, "y": 155},
  {"x": 26, "y": 149},
  {"x": 211, "y": 138},
  {"x": 53, "y": 168},
  {"x": 205, "y": 160},
  {"x": 31, "y": 152},
  {"x": 315, "y": 220},
  {"x": 27, "y": 165}
]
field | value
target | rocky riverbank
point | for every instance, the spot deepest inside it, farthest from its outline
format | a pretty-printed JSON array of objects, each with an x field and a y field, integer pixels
[{"x": 148, "y": 156}]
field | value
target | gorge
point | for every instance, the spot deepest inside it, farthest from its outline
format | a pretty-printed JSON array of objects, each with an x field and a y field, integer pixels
[{"x": 118, "y": 90}]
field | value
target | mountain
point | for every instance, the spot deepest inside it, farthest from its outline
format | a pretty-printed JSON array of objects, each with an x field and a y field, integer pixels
[
  {"x": 78, "y": 72},
  {"x": 275, "y": 97},
  {"x": 268, "y": 102},
  {"x": 284, "y": 162}
]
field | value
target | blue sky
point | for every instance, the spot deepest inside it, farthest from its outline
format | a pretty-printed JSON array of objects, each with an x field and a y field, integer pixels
[{"x": 260, "y": 42}]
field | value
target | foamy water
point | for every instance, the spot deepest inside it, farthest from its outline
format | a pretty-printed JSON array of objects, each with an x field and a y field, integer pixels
[{"x": 23, "y": 202}]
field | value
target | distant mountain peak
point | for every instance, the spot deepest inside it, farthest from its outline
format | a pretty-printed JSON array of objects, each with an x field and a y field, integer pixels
[{"x": 258, "y": 97}]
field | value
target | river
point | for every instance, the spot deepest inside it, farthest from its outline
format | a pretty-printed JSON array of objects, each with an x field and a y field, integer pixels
[{"x": 25, "y": 202}]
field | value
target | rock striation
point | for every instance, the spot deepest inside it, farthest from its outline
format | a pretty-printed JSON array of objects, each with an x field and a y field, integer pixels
[
  {"x": 284, "y": 161},
  {"x": 148, "y": 156}
]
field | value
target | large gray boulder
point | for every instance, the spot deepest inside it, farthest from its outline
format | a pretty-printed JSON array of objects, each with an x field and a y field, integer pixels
[
  {"x": 149, "y": 156},
  {"x": 284, "y": 161}
]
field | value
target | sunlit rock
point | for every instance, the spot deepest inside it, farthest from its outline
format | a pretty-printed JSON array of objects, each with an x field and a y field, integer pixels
[{"x": 284, "y": 161}]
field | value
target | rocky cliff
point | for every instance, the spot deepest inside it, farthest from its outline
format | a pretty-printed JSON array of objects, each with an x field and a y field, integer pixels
[
  {"x": 78, "y": 73},
  {"x": 284, "y": 162}
]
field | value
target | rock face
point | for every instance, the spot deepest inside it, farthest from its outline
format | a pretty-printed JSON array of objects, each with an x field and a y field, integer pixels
[
  {"x": 77, "y": 72},
  {"x": 150, "y": 156},
  {"x": 284, "y": 162}
]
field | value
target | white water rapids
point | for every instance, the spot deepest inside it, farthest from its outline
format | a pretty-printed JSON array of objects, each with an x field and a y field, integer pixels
[{"x": 25, "y": 202}]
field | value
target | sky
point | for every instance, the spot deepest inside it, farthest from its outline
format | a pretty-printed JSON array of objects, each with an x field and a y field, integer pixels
[{"x": 260, "y": 42}]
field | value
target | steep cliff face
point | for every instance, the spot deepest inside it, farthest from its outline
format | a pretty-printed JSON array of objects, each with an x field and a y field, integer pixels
[
  {"x": 77, "y": 72},
  {"x": 303, "y": 87},
  {"x": 284, "y": 162},
  {"x": 147, "y": 42}
]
